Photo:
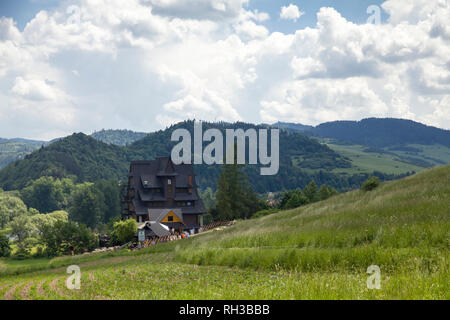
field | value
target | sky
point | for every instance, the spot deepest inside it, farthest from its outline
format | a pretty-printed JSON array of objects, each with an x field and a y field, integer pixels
[{"x": 79, "y": 65}]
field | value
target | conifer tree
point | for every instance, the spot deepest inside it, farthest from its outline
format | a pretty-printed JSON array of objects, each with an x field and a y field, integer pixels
[{"x": 235, "y": 198}]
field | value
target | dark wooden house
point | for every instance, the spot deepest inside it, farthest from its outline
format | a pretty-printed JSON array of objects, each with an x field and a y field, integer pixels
[{"x": 160, "y": 191}]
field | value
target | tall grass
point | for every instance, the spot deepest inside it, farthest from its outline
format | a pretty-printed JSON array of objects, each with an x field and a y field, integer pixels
[{"x": 400, "y": 226}]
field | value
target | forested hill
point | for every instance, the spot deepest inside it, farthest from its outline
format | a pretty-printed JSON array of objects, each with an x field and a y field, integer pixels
[
  {"x": 77, "y": 155},
  {"x": 118, "y": 137},
  {"x": 292, "y": 126},
  {"x": 13, "y": 149},
  {"x": 87, "y": 159},
  {"x": 387, "y": 132}
]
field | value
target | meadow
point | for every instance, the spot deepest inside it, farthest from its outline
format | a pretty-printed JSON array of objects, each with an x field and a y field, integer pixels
[
  {"x": 319, "y": 251},
  {"x": 367, "y": 162}
]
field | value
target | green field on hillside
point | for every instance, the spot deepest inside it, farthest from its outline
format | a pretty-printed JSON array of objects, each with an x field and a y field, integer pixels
[
  {"x": 367, "y": 162},
  {"x": 392, "y": 160},
  {"x": 319, "y": 251}
]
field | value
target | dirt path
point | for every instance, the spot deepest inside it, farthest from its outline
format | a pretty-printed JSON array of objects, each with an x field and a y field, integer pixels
[
  {"x": 40, "y": 292},
  {"x": 54, "y": 286},
  {"x": 9, "y": 295},
  {"x": 25, "y": 291}
]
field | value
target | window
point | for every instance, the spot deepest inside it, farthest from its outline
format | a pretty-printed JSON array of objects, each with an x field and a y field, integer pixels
[
  {"x": 189, "y": 203},
  {"x": 169, "y": 181},
  {"x": 170, "y": 218}
]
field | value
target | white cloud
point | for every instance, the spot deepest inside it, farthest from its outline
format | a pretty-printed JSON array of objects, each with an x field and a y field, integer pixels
[
  {"x": 34, "y": 89},
  {"x": 143, "y": 65},
  {"x": 341, "y": 70},
  {"x": 250, "y": 30},
  {"x": 198, "y": 9},
  {"x": 317, "y": 100},
  {"x": 291, "y": 12},
  {"x": 8, "y": 30}
]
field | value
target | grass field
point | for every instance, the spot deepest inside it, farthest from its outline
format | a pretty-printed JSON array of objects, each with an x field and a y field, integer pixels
[
  {"x": 390, "y": 160},
  {"x": 367, "y": 162},
  {"x": 319, "y": 251}
]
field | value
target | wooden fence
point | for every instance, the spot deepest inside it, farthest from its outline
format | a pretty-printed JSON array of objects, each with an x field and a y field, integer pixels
[{"x": 216, "y": 224}]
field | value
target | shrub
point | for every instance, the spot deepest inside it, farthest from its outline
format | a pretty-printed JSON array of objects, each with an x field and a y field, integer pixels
[
  {"x": 21, "y": 254},
  {"x": 125, "y": 230},
  {"x": 296, "y": 200},
  {"x": 5, "y": 249},
  {"x": 370, "y": 184},
  {"x": 62, "y": 236}
]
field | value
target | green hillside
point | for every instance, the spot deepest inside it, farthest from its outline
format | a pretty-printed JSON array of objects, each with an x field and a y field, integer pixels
[
  {"x": 14, "y": 149},
  {"x": 319, "y": 251},
  {"x": 383, "y": 132},
  {"x": 392, "y": 146},
  {"x": 365, "y": 160},
  {"x": 302, "y": 159},
  {"x": 77, "y": 155}
]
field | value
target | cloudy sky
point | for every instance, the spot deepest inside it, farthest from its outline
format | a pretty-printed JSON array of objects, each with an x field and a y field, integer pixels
[{"x": 84, "y": 65}]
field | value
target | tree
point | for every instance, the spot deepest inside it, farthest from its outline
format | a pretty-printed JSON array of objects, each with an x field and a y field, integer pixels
[
  {"x": 10, "y": 208},
  {"x": 235, "y": 198},
  {"x": 40, "y": 221},
  {"x": 61, "y": 236},
  {"x": 5, "y": 249},
  {"x": 87, "y": 206},
  {"x": 125, "y": 230},
  {"x": 22, "y": 228},
  {"x": 208, "y": 198},
  {"x": 296, "y": 200},
  {"x": 44, "y": 194},
  {"x": 370, "y": 184},
  {"x": 111, "y": 195},
  {"x": 326, "y": 192},
  {"x": 310, "y": 192}
]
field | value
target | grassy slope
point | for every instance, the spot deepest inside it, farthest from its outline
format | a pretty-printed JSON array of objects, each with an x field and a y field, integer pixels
[
  {"x": 389, "y": 160},
  {"x": 371, "y": 161},
  {"x": 317, "y": 251}
]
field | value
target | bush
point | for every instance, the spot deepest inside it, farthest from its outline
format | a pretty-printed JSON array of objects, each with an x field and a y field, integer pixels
[
  {"x": 5, "y": 249},
  {"x": 125, "y": 231},
  {"x": 296, "y": 200},
  {"x": 370, "y": 184},
  {"x": 21, "y": 254},
  {"x": 62, "y": 236}
]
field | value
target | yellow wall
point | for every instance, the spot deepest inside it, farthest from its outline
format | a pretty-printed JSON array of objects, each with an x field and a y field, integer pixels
[{"x": 175, "y": 218}]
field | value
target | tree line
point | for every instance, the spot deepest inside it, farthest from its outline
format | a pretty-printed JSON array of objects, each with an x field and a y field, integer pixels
[{"x": 51, "y": 215}]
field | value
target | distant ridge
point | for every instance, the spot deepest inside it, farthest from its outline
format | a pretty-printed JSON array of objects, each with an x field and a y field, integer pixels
[
  {"x": 293, "y": 126},
  {"x": 377, "y": 132},
  {"x": 118, "y": 137}
]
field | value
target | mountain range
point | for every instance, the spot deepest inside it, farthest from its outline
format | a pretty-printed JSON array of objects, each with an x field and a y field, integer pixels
[
  {"x": 341, "y": 154},
  {"x": 376, "y": 132}
]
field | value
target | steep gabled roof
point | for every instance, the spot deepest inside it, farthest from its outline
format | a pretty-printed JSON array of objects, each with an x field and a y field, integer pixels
[
  {"x": 148, "y": 176},
  {"x": 159, "y": 214}
]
